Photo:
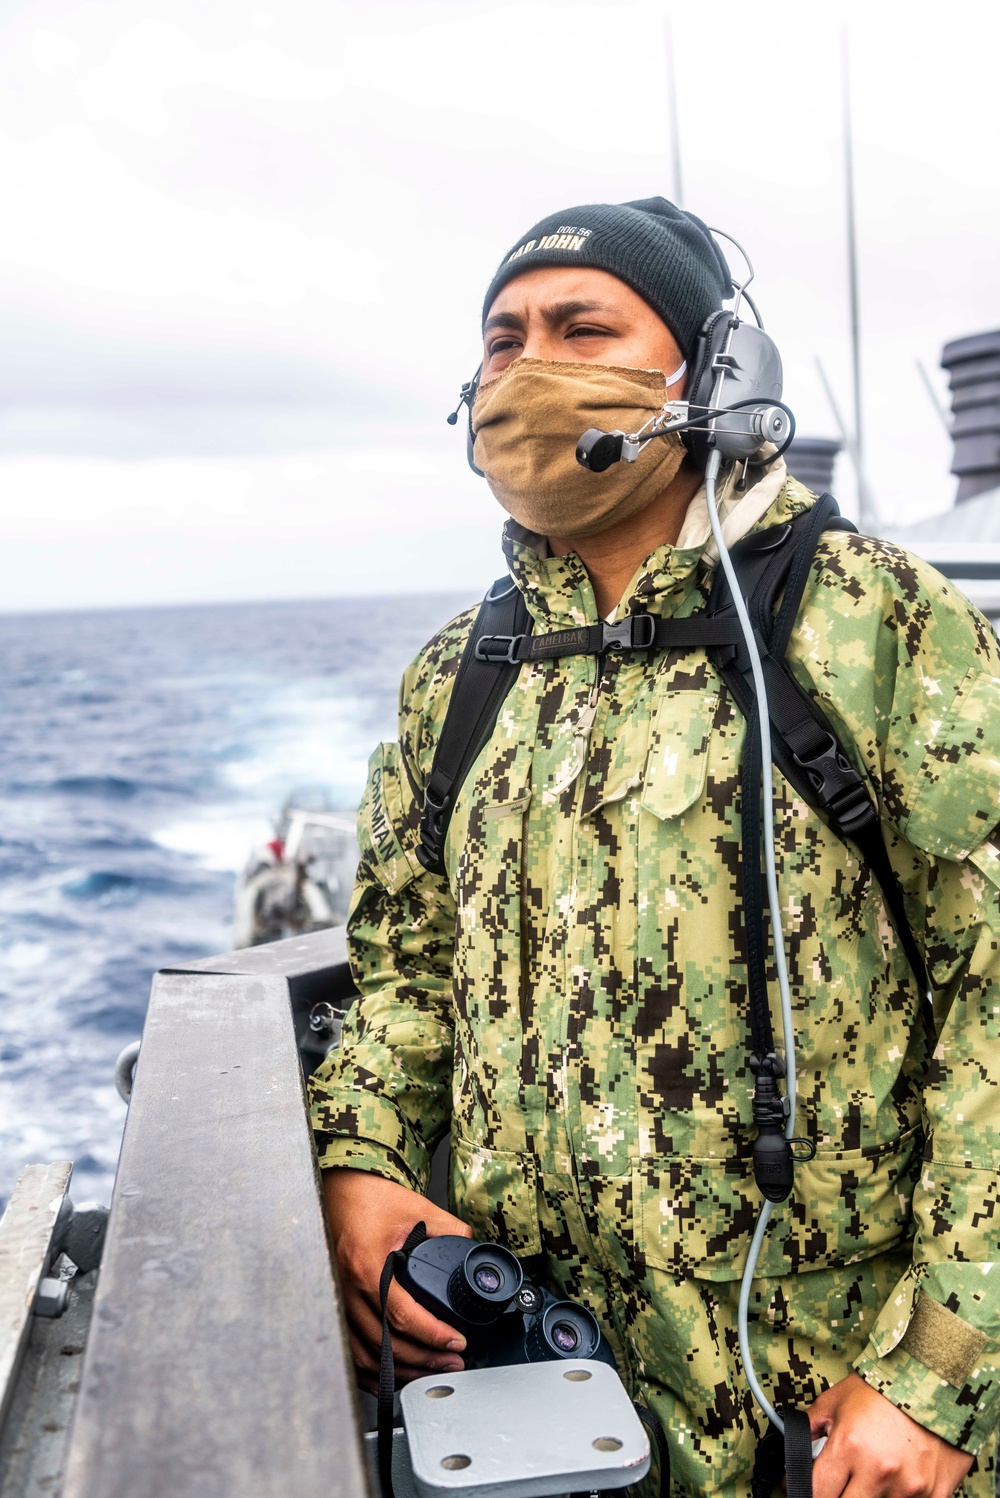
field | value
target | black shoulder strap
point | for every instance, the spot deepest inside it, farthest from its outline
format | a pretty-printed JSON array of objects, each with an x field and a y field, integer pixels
[
  {"x": 806, "y": 749},
  {"x": 480, "y": 687}
]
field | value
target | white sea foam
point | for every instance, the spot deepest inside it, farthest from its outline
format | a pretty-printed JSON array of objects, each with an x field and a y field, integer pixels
[
  {"x": 220, "y": 841},
  {"x": 306, "y": 735},
  {"x": 23, "y": 956},
  {"x": 301, "y": 734}
]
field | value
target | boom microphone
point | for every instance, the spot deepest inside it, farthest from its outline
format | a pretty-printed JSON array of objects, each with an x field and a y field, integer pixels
[
  {"x": 597, "y": 450},
  {"x": 751, "y": 425}
]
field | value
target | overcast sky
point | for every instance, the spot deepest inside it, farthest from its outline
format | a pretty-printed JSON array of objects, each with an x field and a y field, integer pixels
[{"x": 245, "y": 244}]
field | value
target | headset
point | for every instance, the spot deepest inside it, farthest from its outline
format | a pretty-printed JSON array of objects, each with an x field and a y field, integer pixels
[{"x": 753, "y": 408}]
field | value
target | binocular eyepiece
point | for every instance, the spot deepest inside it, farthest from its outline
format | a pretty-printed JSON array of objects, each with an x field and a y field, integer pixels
[
  {"x": 480, "y": 1289},
  {"x": 563, "y": 1330},
  {"x": 483, "y": 1285},
  {"x": 460, "y": 1281}
]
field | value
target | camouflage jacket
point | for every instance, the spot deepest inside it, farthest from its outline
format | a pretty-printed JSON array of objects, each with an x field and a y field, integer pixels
[{"x": 571, "y": 996}]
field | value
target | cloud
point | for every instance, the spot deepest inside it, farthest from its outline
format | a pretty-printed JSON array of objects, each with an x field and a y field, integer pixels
[
  {"x": 352, "y": 521},
  {"x": 252, "y": 232}
]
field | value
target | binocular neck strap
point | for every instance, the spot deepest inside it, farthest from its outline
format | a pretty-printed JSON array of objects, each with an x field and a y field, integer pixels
[
  {"x": 387, "y": 1368},
  {"x": 788, "y": 1454},
  {"x": 654, "y": 1425}
]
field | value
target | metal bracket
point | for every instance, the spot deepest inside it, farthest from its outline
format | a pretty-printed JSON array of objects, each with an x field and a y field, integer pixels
[{"x": 527, "y": 1430}]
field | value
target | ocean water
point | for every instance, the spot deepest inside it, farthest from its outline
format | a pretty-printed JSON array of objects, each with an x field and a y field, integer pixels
[{"x": 143, "y": 752}]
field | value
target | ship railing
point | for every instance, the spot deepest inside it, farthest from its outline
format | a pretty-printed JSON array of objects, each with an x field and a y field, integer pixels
[{"x": 217, "y": 1362}]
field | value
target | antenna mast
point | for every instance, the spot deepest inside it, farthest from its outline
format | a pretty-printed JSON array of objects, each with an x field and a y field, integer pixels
[
  {"x": 675, "y": 134},
  {"x": 865, "y": 512}
]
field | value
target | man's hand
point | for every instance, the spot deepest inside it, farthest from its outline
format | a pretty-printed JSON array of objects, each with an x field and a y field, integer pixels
[
  {"x": 369, "y": 1217},
  {"x": 875, "y": 1451}
]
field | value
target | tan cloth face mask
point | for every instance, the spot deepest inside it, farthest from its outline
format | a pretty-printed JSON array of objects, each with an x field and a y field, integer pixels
[{"x": 527, "y": 423}]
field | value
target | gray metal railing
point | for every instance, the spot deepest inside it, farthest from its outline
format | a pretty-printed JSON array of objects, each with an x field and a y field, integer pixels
[{"x": 217, "y": 1363}]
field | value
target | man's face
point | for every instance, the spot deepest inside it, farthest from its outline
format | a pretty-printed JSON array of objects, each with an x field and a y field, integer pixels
[{"x": 580, "y": 316}]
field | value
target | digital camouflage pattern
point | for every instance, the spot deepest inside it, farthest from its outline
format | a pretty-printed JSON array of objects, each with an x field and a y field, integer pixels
[{"x": 570, "y": 1001}]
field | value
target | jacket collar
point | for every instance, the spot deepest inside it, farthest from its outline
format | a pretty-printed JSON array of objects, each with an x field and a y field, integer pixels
[{"x": 673, "y": 580}]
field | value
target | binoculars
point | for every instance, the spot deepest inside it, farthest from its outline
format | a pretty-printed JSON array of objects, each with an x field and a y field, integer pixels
[{"x": 480, "y": 1289}]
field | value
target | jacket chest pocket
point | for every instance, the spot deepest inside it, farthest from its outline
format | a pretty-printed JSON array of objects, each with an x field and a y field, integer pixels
[
  {"x": 677, "y": 857},
  {"x": 656, "y": 760},
  {"x": 677, "y": 759}
]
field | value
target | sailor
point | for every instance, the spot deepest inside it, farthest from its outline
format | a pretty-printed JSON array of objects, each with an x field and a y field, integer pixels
[{"x": 567, "y": 999}]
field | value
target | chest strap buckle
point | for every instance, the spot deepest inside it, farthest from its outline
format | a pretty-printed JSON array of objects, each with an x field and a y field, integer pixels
[
  {"x": 634, "y": 632},
  {"x": 838, "y": 787}
]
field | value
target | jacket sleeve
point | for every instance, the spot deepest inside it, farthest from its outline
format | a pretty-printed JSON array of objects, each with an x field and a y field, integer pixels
[
  {"x": 934, "y": 1350},
  {"x": 382, "y": 1100}
]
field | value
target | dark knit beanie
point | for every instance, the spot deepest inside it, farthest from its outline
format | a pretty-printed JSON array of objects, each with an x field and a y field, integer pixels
[{"x": 666, "y": 255}]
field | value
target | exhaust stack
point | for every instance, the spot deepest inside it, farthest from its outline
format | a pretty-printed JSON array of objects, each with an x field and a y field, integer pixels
[{"x": 973, "y": 365}]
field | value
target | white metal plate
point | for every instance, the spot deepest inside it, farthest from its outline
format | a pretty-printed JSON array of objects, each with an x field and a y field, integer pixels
[{"x": 526, "y": 1431}]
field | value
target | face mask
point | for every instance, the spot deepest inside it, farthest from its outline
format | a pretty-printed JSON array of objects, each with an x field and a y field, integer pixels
[{"x": 527, "y": 423}]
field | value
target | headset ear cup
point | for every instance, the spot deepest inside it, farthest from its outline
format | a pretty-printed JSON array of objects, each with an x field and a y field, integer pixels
[{"x": 699, "y": 391}]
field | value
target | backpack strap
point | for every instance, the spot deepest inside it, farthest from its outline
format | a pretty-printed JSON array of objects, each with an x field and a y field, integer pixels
[
  {"x": 481, "y": 684},
  {"x": 764, "y": 562},
  {"x": 798, "y": 1454},
  {"x": 806, "y": 749}
]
